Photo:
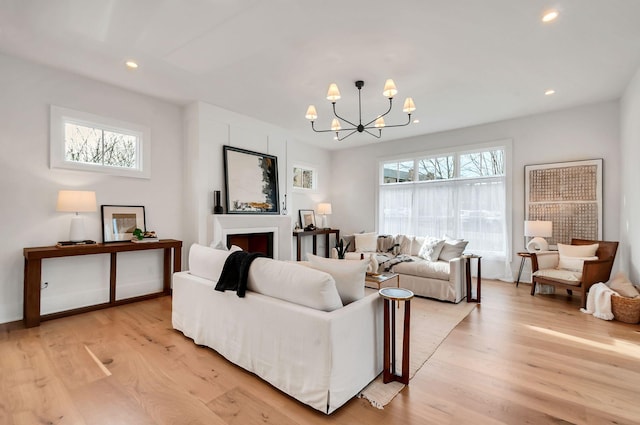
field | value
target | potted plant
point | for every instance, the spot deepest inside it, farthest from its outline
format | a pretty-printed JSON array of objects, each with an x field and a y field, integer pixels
[{"x": 341, "y": 249}]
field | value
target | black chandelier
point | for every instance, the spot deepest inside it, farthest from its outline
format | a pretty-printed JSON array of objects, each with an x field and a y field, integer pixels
[{"x": 333, "y": 95}]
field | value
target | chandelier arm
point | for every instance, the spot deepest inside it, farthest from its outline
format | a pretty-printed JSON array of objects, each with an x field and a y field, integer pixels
[
  {"x": 379, "y": 133},
  {"x": 380, "y": 116},
  {"x": 345, "y": 120},
  {"x": 325, "y": 131},
  {"x": 397, "y": 125},
  {"x": 341, "y": 139}
]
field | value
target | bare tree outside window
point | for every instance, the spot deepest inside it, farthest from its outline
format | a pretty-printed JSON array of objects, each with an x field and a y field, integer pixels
[
  {"x": 482, "y": 164},
  {"x": 436, "y": 168},
  {"x": 97, "y": 146}
]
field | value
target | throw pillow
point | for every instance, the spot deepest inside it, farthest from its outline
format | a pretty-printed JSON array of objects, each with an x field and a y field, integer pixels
[
  {"x": 293, "y": 282},
  {"x": 573, "y": 263},
  {"x": 452, "y": 248},
  {"x": 349, "y": 275},
  {"x": 577, "y": 250},
  {"x": 431, "y": 248},
  {"x": 416, "y": 245},
  {"x": 351, "y": 241},
  {"x": 385, "y": 243},
  {"x": 404, "y": 244},
  {"x": 366, "y": 242},
  {"x": 623, "y": 286},
  {"x": 206, "y": 262}
]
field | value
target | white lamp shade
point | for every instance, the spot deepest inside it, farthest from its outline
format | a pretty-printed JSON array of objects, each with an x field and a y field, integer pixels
[
  {"x": 324, "y": 208},
  {"x": 379, "y": 123},
  {"x": 333, "y": 94},
  {"x": 389, "y": 88},
  {"x": 409, "y": 106},
  {"x": 538, "y": 228},
  {"x": 311, "y": 114},
  {"x": 335, "y": 125},
  {"x": 76, "y": 201}
]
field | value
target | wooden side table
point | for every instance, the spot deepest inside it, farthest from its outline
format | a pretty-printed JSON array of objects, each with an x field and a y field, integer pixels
[
  {"x": 524, "y": 255},
  {"x": 467, "y": 259},
  {"x": 391, "y": 295},
  {"x": 315, "y": 233}
]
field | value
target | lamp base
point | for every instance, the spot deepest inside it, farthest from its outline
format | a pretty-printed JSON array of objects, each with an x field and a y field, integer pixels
[
  {"x": 324, "y": 221},
  {"x": 76, "y": 233},
  {"x": 538, "y": 244}
]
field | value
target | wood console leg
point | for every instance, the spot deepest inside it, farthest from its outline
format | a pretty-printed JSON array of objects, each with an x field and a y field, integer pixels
[{"x": 31, "y": 307}]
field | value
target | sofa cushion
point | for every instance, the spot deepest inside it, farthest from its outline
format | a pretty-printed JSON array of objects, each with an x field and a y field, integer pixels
[
  {"x": 430, "y": 249},
  {"x": 348, "y": 275},
  {"x": 366, "y": 242},
  {"x": 452, "y": 248},
  {"x": 423, "y": 268},
  {"x": 571, "y": 277},
  {"x": 206, "y": 262},
  {"x": 295, "y": 283}
]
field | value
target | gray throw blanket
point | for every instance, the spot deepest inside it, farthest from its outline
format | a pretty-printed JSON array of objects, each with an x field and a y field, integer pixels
[
  {"x": 236, "y": 271},
  {"x": 400, "y": 258}
]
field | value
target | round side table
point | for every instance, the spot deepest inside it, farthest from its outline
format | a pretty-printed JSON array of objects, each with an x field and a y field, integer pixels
[
  {"x": 524, "y": 256},
  {"x": 390, "y": 296}
]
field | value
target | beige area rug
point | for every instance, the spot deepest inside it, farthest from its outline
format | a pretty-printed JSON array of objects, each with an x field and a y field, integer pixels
[{"x": 431, "y": 322}]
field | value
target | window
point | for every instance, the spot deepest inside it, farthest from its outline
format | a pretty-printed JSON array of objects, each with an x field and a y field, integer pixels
[
  {"x": 461, "y": 194},
  {"x": 304, "y": 178},
  {"x": 83, "y": 141}
]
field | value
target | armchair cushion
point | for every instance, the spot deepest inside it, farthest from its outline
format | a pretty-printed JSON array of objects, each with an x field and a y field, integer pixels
[{"x": 570, "y": 277}]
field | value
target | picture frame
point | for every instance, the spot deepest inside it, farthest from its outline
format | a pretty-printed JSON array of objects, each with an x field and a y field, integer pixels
[
  {"x": 307, "y": 217},
  {"x": 251, "y": 182},
  {"x": 569, "y": 194},
  {"x": 119, "y": 222},
  {"x": 304, "y": 178}
]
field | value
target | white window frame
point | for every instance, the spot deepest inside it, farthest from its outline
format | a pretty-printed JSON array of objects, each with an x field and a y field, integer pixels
[{"x": 59, "y": 116}]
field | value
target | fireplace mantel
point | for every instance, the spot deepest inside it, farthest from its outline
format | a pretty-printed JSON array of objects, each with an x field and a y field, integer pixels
[{"x": 221, "y": 225}]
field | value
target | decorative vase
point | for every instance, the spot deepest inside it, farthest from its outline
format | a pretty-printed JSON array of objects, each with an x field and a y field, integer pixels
[{"x": 217, "y": 208}]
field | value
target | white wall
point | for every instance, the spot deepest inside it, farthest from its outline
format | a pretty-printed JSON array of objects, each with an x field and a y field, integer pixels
[
  {"x": 207, "y": 129},
  {"x": 28, "y": 187},
  {"x": 584, "y": 132},
  {"x": 630, "y": 172}
]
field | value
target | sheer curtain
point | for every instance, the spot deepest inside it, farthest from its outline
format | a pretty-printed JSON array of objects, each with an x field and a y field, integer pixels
[{"x": 473, "y": 209}]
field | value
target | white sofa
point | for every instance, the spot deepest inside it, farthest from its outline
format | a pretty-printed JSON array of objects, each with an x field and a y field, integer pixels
[
  {"x": 321, "y": 358},
  {"x": 442, "y": 277}
]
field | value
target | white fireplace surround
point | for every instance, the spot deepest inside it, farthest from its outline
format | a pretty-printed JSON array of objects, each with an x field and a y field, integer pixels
[{"x": 221, "y": 225}]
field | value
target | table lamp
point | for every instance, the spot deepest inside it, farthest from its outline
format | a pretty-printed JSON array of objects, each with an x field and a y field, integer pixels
[
  {"x": 76, "y": 201},
  {"x": 538, "y": 230},
  {"x": 324, "y": 210}
]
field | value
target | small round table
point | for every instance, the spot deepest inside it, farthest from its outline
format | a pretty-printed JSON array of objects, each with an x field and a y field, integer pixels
[{"x": 390, "y": 296}]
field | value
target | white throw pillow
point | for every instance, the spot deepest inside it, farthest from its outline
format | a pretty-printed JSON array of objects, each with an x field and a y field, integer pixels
[
  {"x": 404, "y": 243},
  {"x": 577, "y": 250},
  {"x": 452, "y": 248},
  {"x": 572, "y": 257},
  {"x": 431, "y": 248},
  {"x": 573, "y": 263},
  {"x": 293, "y": 282},
  {"x": 416, "y": 245},
  {"x": 349, "y": 275},
  {"x": 366, "y": 242},
  {"x": 206, "y": 262}
]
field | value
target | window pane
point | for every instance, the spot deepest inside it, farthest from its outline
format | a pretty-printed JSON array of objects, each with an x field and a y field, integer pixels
[
  {"x": 398, "y": 172},
  {"x": 120, "y": 150},
  {"x": 482, "y": 164},
  {"x": 435, "y": 168},
  {"x": 82, "y": 144}
]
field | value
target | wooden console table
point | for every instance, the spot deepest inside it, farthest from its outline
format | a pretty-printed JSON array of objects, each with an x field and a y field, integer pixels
[
  {"x": 315, "y": 233},
  {"x": 33, "y": 274}
]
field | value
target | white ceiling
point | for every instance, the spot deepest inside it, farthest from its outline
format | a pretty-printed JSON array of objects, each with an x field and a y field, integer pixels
[{"x": 464, "y": 62}]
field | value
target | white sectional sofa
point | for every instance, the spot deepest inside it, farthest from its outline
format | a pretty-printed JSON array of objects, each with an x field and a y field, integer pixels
[
  {"x": 437, "y": 273},
  {"x": 291, "y": 328}
]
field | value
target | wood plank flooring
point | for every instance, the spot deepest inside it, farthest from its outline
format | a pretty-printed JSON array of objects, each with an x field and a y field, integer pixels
[{"x": 515, "y": 359}]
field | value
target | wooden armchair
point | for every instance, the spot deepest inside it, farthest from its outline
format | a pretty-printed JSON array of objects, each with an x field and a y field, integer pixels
[{"x": 593, "y": 271}]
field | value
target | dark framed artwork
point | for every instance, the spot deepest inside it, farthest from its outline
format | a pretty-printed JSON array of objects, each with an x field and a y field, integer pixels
[
  {"x": 251, "y": 182},
  {"x": 569, "y": 194},
  {"x": 307, "y": 218},
  {"x": 119, "y": 222}
]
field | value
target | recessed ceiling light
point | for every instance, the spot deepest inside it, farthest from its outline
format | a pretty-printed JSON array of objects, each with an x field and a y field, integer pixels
[
  {"x": 549, "y": 92},
  {"x": 416, "y": 121},
  {"x": 131, "y": 64},
  {"x": 550, "y": 15}
]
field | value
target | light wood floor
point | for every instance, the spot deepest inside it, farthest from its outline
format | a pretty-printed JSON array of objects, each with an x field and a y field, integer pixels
[{"x": 516, "y": 359}]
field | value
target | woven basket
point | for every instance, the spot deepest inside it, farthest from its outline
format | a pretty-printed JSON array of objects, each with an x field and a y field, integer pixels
[{"x": 625, "y": 309}]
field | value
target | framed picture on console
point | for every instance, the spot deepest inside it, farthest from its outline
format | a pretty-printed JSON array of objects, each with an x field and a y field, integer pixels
[
  {"x": 251, "y": 182},
  {"x": 307, "y": 219},
  {"x": 119, "y": 222}
]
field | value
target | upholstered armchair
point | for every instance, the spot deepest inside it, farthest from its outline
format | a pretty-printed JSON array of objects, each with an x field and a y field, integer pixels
[{"x": 574, "y": 267}]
